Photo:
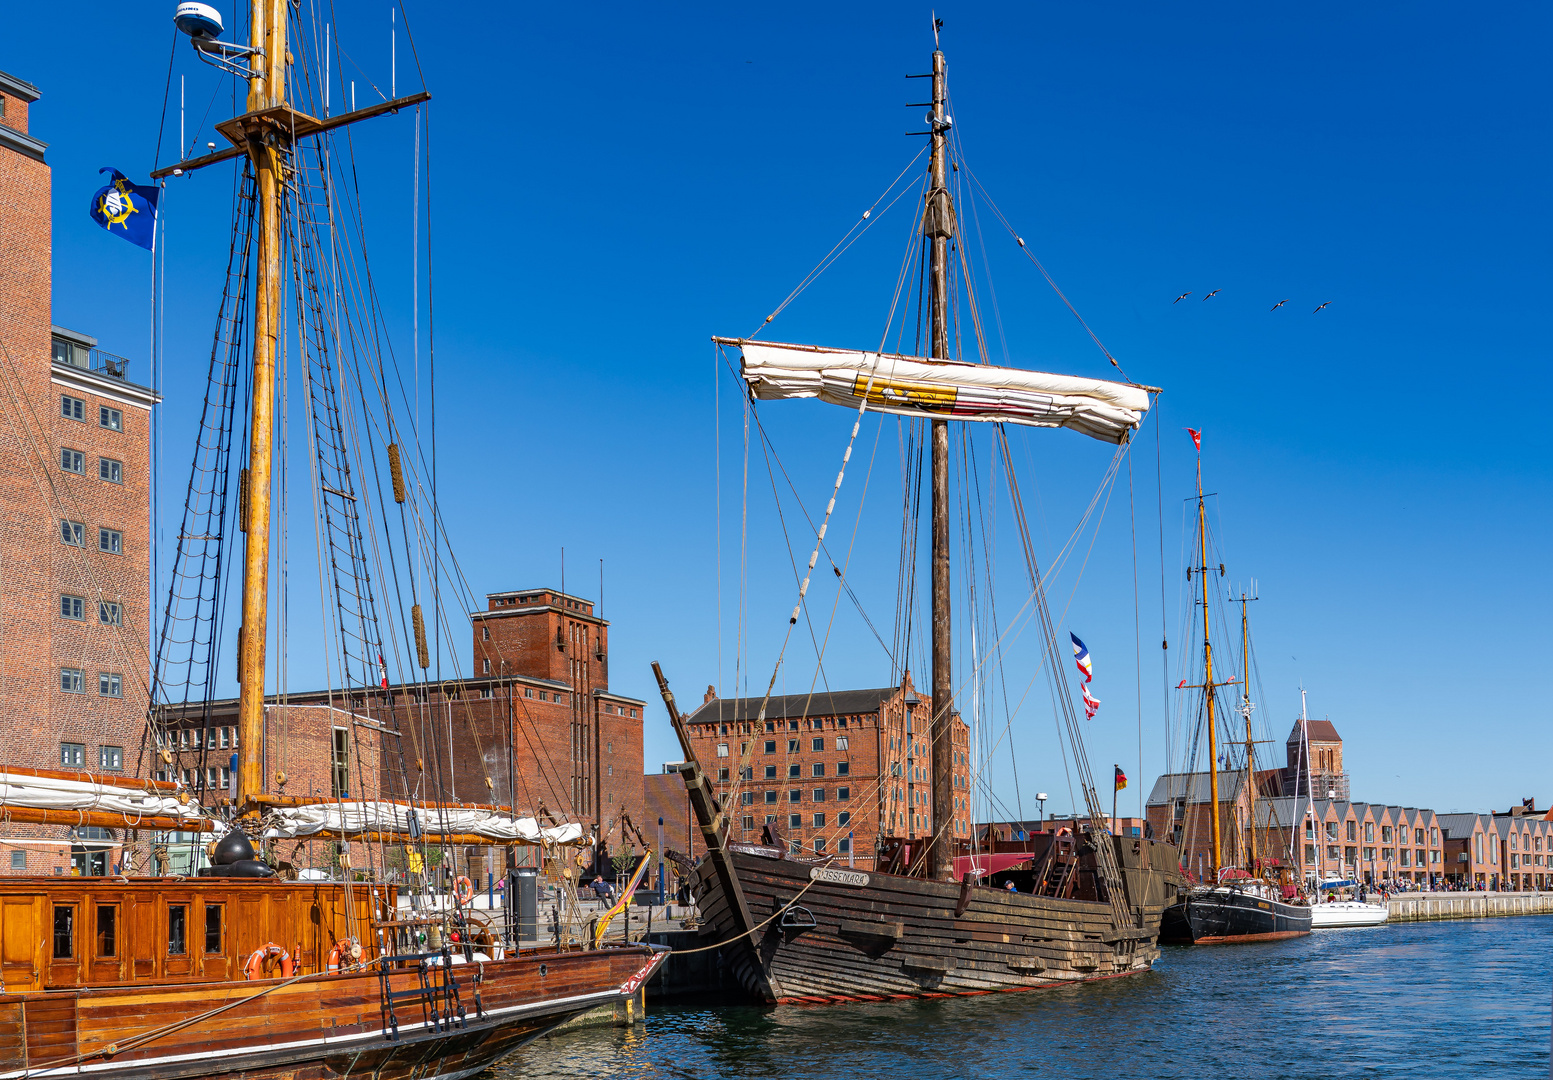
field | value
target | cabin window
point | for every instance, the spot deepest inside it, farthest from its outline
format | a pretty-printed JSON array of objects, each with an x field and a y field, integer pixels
[
  {"x": 213, "y": 928},
  {"x": 341, "y": 770},
  {"x": 107, "y": 930},
  {"x": 177, "y": 930},
  {"x": 64, "y": 931}
]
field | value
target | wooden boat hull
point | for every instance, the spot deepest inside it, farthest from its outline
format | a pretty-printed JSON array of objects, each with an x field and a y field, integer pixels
[
  {"x": 905, "y": 937},
  {"x": 318, "y": 1029},
  {"x": 1229, "y": 916}
]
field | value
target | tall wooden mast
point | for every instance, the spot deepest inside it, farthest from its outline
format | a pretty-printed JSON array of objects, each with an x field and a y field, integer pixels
[
  {"x": 938, "y": 227},
  {"x": 268, "y": 146},
  {"x": 1207, "y": 651},
  {"x": 1246, "y": 708}
]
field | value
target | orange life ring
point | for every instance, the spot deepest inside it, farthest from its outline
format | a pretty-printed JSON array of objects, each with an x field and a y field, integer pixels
[
  {"x": 463, "y": 889},
  {"x": 351, "y": 950},
  {"x": 254, "y": 968}
]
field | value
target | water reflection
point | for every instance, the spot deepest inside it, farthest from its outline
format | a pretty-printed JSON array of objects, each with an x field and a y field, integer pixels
[{"x": 1447, "y": 999}]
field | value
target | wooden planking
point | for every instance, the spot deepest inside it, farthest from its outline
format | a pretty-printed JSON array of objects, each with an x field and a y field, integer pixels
[{"x": 1004, "y": 941}]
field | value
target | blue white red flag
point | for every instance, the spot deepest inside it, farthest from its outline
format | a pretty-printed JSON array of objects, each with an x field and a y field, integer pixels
[
  {"x": 1081, "y": 657},
  {"x": 1091, "y": 703}
]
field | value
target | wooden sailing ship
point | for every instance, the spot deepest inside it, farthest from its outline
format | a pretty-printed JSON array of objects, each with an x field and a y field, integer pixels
[
  {"x": 1065, "y": 908},
  {"x": 236, "y": 972},
  {"x": 1245, "y": 898}
]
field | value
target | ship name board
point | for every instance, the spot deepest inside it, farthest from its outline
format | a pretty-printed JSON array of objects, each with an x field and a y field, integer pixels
[{"x": 838, "y": 877}]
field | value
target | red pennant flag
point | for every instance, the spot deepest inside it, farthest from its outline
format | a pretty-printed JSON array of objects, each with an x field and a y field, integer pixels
[{"x": 1196, "y": 438}]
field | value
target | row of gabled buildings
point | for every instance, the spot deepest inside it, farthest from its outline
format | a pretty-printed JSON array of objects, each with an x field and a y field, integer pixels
[{"x": 1301, "y": 818}]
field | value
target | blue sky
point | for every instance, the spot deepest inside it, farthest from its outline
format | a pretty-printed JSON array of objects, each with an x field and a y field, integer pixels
[{"x": 611, "y": 187}]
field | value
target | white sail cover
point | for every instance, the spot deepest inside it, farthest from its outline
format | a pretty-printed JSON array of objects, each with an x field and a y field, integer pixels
[
  {"x": 943, "y": 389},
  {"x": 355, "y": 818},
  {"x": 50, "y": 793}
]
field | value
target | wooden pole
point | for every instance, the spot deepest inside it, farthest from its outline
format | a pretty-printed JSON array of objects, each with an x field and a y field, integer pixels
[
  {"x": 1245, "y": 703},
  {"x": 938, "y": 226},
  {"x": 266, "y": 88},
  {"x": 1207, "y": 647}
]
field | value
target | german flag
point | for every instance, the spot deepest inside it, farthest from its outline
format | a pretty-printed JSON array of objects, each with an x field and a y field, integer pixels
[{"x": 1121, "y": 778}]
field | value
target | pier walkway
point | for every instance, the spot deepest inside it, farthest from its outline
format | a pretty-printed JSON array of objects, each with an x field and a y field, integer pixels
[{"x": 1417, "y": 907}]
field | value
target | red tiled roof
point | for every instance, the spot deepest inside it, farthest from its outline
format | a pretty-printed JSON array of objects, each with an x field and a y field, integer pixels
[{"x": 1320, "y": 731}]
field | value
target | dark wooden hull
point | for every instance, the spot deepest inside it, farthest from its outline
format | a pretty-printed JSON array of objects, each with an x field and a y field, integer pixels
[
  {"x": 901, "y": 937},
  {"x": 1228, "y": 916},
  {"x": 318, "y": 1029}
]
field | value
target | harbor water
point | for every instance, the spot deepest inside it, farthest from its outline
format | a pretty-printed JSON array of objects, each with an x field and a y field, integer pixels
[{"x": 1463, "y": 998}]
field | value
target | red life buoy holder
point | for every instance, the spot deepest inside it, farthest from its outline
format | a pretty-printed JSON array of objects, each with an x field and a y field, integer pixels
[
  {"x": 254, "y": 968},
  {"x": 463, "y": 889}
]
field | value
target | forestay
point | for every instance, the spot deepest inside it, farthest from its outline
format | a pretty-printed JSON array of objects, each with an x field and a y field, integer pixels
[
  {"x": 356, "y": 818},
  {"x": 946, "y": 389}
]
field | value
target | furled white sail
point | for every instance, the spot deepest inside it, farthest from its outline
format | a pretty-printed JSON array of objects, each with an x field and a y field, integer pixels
[
  {"x": 53, "y": 793},
  {"x": 356, "y": 818},
  {"x": 943, "y": 389}
]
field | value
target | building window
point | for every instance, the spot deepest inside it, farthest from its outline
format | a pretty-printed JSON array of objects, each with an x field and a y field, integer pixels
[
  {"x": 110, "y": 757},
  {"x": 792, "y": 746},
  {"x": 843, "y": 768},
  {"x": 770, "y": 772},
  {"x": 18, "y": 860},
  {"x": 843, "y": 793},
  {"x": 770, "y": 746},
  {"x": 1331, "y": 830},
  {"x": 72, "y": 533},
  {"x": 72, "y": 408},
  {"x": 841, "y": 741},
  {"x": 771, "y": 796},
  {"x": 1310, "y": 854},
  {"x": 64, "y": 931},
  {"x": 72, "y": 607},
  {"x": 795, "y": 821},
  {"x": 844, "y": 818},
  {"x": 110, "y": 614},
  {"x": 528, "y": 691},
  {"x": 1385, "y": 834},
  {"x": 72, "y": 680},
  {"x": 1403, "y": 856},
  {"x": 722, "y": 775},
  {"x": 746, "y": 772},
  {"x": 485, "y": 667},
  {"x": 795, "y": 795},
  {"x": 485, "y": 633},
  {"x": 110, "y": 470},
  {"x": 817, "y": 745},
  {"x": 819, "y": 821},
  {"x": 819, "y": 768},
  {"x": 340, "y": 770},
  {"x": 1369, "y": 854},
  {"x": 72, "y": 460},
  {"x": 844, "y": 845},
  {"x": 722, "y": 749},
  {"x": 819, "y": 794},
  {"x": 1369, "y": 833},
  {"x": 1352, "y": 830},
  {"x": 112, "y": 419},
  {"x": 819, "y": 845},
  {"x": 111, "y": 541},
  {"x": 1434, "y": 837},
  {"x": 794, "y": 771},
  {"x": 747, "y": 798},
  {"x": 110, "y": 685}
]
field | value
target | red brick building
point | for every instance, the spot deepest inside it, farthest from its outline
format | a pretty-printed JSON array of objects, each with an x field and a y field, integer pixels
[
  {"x": 75, "y": 535},
  {"x": 832, "y": 771}
]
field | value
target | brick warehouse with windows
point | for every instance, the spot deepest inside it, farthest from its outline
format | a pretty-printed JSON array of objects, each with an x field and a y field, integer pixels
[
  {"x": 74, "y": 539},
  {"x": 536, "y": 727},
  {"x": 832, "y": 771}
]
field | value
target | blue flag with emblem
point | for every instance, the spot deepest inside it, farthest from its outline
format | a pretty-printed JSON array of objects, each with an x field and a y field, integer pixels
[{"x": 126, "y": 209}]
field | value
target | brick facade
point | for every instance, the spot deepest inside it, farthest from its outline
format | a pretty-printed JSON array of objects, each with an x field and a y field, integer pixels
[
  {"x": 74, "y": 448},
  {"x": 833, "y": 772}
]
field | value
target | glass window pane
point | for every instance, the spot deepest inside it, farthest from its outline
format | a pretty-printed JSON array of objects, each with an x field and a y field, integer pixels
[
  {"x": 64, "y": 931},
  {"x": 107, "y": 926},
  {"x": 212, "y": 928},
  {"x": 177, "y": 942}
]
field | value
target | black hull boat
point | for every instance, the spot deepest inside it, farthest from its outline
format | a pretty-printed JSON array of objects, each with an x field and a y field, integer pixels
[
  {"x": 1228, "y": 915},
  {"x": 826, "y": 934}
]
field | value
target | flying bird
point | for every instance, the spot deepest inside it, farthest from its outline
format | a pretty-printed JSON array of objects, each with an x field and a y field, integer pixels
[
  {"x": 1178, "y": 299},
  {"x": 1319, "y": 308},
  {"x": 1278, "y": 305},
  {"x": 1214, "y": 293}
]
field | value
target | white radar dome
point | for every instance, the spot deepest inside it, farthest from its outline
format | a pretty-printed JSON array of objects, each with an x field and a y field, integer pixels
[{"x": 200, "y": 21}]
